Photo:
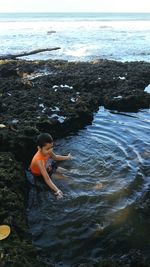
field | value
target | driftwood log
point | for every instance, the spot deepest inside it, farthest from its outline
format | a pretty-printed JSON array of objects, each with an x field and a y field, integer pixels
[{"x": 11, "y": 56}]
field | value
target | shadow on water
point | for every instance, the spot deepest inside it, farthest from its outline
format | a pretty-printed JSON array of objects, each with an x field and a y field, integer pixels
[{"x": 93, "y": 222}]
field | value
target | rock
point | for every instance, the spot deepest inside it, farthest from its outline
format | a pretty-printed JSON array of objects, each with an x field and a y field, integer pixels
[
  {"x": 7, "y": 72},
  {"x": 2, "y": 126},
  {"x": 50, "y": 32},
  {"x": 59, "y": 102},
  {"x": 17, "y": 246}
]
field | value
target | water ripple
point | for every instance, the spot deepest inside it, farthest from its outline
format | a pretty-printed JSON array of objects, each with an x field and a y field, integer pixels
[{"x": 106, "y": 180}]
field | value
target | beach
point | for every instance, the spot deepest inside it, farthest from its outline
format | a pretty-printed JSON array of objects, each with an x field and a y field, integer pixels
[{"x": 96, "y": 105}]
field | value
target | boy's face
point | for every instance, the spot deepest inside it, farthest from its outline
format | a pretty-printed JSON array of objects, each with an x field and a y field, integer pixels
[{"x": 46, "y": 149}]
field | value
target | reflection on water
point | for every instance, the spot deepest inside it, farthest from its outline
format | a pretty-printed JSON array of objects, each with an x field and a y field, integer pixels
[{"x": 94, "y": 221}]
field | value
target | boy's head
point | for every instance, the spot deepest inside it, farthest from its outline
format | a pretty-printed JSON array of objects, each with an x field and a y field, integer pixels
[{"x": 44, "y": 139}]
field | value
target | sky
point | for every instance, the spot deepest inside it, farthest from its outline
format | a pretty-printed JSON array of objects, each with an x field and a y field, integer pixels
[{"x": 74, "y": 5}]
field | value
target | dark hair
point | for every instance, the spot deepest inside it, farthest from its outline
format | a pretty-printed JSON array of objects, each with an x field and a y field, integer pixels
[{"x": 43, "y": 139}]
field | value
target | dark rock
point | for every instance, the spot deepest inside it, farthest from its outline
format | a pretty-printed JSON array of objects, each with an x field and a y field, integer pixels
[
  {"x": 6, "y": 72},
  {"x": 58, "y": 97}
]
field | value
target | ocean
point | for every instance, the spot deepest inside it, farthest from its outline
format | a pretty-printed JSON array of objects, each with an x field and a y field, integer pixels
[
  {"x": 92, "y": 223},
  {"x": 81, "y": 36}
]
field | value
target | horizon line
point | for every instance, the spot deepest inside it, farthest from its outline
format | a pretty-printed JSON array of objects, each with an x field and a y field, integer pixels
[{"x": 110, "y": 12}]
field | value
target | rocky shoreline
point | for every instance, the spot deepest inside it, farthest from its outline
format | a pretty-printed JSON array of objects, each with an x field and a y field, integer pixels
[{"x": 59, "y": 97}]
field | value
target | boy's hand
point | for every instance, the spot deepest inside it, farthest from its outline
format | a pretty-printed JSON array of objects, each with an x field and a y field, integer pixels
[
  {"x": 70, "y": 156},
  {"x": 59, "y": 194}
]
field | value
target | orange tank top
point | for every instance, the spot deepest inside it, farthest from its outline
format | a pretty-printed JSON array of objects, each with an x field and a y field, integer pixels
[{"x": 34, "y": 167}]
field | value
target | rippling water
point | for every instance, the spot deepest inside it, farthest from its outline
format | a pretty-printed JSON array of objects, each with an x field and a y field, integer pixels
[{"x": 93, "y": 222}]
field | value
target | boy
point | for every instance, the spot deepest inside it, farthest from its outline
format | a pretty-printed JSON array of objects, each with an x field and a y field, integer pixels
[{"x": 42, "y": 163}]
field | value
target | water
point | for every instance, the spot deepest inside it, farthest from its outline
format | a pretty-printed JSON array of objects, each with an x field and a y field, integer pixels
[
  {"x": 91, "y": 222},
  {"x": 81, "y": 36}
]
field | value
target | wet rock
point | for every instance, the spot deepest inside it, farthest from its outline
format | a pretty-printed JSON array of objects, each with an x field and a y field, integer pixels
[
  {"x": 131, "y": 103},
  {"x": 17, "y": 248},
  {"x": 2, "y": 126},
  {"x": 7, "y": 72},
  {"x": 76, "y": 90},
  {"x": 58, "y": 97}
]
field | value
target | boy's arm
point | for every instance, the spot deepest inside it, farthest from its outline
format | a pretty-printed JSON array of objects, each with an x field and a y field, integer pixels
[
  {"x": 46, "y": 177},
  {"x": 60, "y": 157}
]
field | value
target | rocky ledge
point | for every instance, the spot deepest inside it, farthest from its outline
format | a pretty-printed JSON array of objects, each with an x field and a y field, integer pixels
[{"x": 58, "y": 97}]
